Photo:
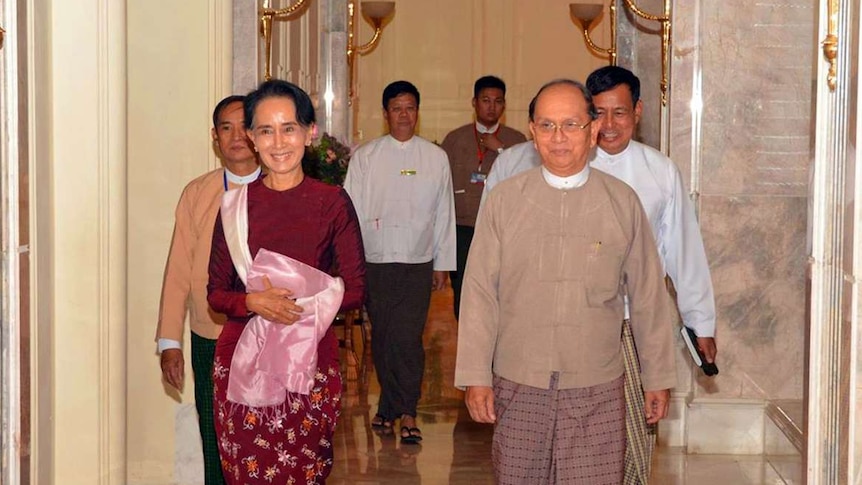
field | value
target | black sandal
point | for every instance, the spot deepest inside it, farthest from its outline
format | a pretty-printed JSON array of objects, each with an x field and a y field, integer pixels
[
  {"x": 410, "y": 436},
  {"x": 379, "y": 422}
]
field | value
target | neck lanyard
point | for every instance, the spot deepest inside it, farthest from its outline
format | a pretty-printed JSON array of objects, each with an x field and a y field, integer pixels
[
  {"x": 224, "y": 176},
  {"x": 480, "y": 151}
]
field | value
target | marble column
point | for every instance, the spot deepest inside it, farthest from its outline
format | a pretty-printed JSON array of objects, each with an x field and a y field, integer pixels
[
  {"x": 246, "y": 35},
  {"x": 333, "y": 111},
  {"x": 833, "y": 427}
]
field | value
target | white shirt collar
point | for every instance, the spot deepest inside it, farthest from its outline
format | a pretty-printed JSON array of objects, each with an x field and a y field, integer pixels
[
  {"x": 401, "y": 144},
  {"x": 483, "y": 129},
  {"x": 570, "y": 182},
  {"x": 604, "y": 154},
  {"x": 242, "y": 179}
]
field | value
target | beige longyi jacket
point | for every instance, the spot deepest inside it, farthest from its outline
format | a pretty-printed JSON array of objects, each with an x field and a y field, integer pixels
[{"x": 543, "y": 287}]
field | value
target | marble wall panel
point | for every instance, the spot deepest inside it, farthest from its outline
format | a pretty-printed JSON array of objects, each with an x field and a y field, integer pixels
[
  {"x": 681, "y": 122},
  {"x": 756, "y": 251},
  {"x": 765, "y": 158},
  {"x": 757, "y": 70}
]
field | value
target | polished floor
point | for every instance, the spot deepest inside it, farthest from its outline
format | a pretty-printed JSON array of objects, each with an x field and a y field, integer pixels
[{"x": 455, "y": 450}]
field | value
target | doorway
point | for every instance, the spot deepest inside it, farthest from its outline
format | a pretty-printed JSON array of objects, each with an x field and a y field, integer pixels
[{"x": 15, "y": 438}]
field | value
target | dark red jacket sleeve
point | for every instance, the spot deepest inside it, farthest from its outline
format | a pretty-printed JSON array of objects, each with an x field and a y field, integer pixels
[
  {"x": 349, "y": 252},
  {"x": 225, "y": 291}
]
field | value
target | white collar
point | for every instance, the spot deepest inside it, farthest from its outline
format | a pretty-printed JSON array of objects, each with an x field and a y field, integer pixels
[
  {"x": 484, "y": 129},
  {"x": 570, "y": 182},
  {"x": 399, "y": 143},
  {"x": 604, "y": 154},
  {"x": 242, "y": 179}
]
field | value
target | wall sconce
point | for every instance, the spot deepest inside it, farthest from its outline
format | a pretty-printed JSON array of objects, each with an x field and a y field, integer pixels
[
  {"x": 267, "y": 15},
  {"x": 830, "y": 43},
  {"x": 586, "y": 14},
  {"x": 664, "y": 18},
  {"x": 376, "y": 13}
]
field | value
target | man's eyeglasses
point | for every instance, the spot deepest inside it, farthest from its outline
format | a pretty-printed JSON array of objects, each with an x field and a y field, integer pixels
[{"x": 567, "y": 127}]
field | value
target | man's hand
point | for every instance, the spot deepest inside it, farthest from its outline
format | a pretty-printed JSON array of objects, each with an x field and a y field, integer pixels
[
  {"x": 656, "y": 404},
  {"x": 438, "y": 280},
  {"x": 707, "y": 346},
  {"x": 490, "y": 142},
  {"x": 173, "y": 367},
  {"x": 480, "y": 403}
]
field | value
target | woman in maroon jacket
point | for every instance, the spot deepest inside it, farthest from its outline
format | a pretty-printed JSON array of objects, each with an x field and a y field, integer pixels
[{"x": 314, "y": 223}]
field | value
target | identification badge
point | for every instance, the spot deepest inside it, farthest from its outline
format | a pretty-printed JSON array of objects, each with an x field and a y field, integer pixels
[
  {"x": 478, "y": 178},
  {"x": 408, "y": 172}
]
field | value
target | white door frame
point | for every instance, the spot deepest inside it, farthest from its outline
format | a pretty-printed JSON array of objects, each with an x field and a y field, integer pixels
[
  {"x": 835, "y": 264},
  {"x": 10, "y": 338}
]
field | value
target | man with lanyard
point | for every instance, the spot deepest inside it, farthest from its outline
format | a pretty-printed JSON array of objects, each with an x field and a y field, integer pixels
[
  {"x": 472, "y": 150},
  {"x": 185, "y": 282},
  {"x": 401, "y": 188}
]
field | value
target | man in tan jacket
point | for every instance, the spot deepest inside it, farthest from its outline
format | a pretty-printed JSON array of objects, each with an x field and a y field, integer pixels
[
  {"x": 185, "y": 283},
  {"x": 539, "y": 336}
]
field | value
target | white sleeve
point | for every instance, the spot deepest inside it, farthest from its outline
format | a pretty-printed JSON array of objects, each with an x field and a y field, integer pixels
[
  {"x": 682, "y": 250},
  {"x": 353, "y": 180},
  {"x": 495, "y": 175},
  {"x": 167, "y": 343},
  {"x": 444, "y": 222}
]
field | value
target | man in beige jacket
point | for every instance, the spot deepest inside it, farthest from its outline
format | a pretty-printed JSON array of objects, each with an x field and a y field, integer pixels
[
  {"x": 185, "y": 283},
  {"x": 539, "y": 337}
]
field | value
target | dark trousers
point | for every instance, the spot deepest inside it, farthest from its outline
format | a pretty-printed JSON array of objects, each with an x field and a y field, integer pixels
[
  {"x": 398, "y": 299},
  {"x": 463, "y": 238},
  {"x": 203, "y": 352}
]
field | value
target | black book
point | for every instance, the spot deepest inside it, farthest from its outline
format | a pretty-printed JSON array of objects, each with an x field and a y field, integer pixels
[{"x": 690, "y": 340}]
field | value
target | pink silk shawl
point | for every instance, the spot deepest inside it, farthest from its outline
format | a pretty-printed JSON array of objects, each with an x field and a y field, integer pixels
[{"x": 272, "y": 359}]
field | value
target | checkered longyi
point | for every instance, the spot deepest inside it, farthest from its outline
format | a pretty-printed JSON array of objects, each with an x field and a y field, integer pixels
[{"x": 640, "y": 436}]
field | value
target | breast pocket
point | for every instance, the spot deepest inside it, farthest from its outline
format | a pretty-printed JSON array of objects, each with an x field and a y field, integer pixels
[{"x": 603, "y": 272}]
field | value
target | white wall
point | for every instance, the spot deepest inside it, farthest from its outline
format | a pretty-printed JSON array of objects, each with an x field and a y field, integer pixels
[
  {"x": 444, "y": 46},
  {"x": 80, "y": 167},
  {"x": 179, "y": 68}
]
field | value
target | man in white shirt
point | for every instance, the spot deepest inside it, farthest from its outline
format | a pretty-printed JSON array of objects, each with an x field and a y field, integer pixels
[
  {"x": 401, "y": 186},
  {"x": 658, "y": 183}
]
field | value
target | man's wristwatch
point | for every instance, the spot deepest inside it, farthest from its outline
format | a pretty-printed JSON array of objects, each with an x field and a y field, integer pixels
[{"x": 500, "y": 150}]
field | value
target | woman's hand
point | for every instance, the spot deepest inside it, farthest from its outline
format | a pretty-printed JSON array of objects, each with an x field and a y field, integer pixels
[{"x": 273, "y": 304}]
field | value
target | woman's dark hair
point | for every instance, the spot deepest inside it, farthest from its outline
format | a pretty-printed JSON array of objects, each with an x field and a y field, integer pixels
[
  {"x": 397, "y": 89},
  {"x": 277, "y": 88}
]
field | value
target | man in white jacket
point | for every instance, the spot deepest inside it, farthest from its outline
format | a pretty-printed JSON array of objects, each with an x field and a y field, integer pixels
[{"x": 658, "y": 183}]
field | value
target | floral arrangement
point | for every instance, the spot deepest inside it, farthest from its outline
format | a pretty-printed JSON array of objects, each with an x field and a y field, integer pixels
[{"x": 327, "y": 160}]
